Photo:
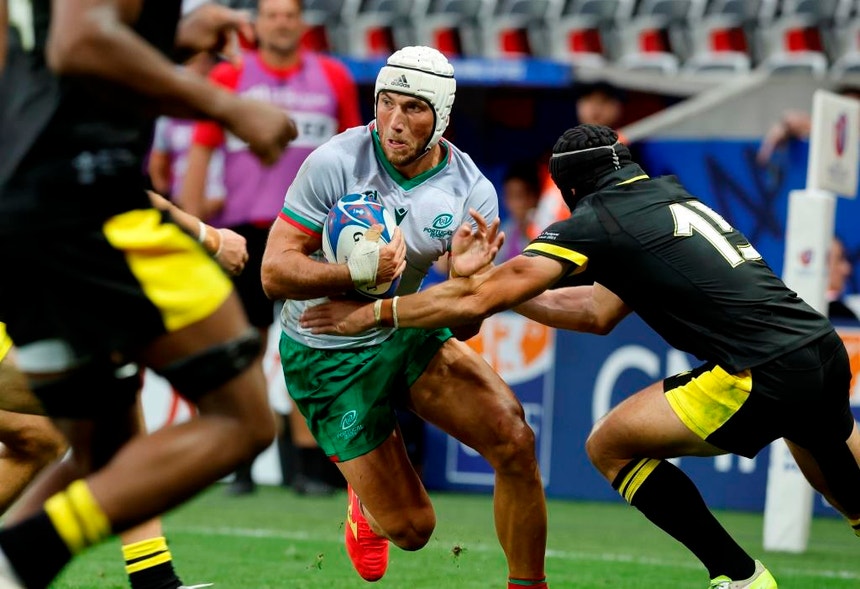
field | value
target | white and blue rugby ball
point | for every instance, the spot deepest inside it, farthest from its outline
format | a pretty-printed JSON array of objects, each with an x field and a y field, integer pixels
[{"x": 346, "y": 222}]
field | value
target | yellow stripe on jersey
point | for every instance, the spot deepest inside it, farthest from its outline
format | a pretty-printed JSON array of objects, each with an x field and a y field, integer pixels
[
  {"x": 5, "y": 341},
  {"x": 175, "y": 273},
  {"x": 633, "y": 179},
  {"x": 636, "y": 477},
  {"x": 560, "y": 252},
  {"x": 708, "y": 401}
]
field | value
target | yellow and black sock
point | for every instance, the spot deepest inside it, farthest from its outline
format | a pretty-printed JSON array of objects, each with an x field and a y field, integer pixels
[
  {"x": 668, "y": 498},
  {"x": 855, "y": 525},
  {"x": 514, "y": 583},
  {"x": 70, "y": 522},
  {"x": 149, "y": 565}
]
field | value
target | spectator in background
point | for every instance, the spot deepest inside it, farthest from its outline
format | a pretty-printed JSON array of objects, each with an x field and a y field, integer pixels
[
  {"x": 839, "y": 271},
  {"x": 168, "y": 159},
  {"x": 794, "y": 124},
  {"x": 597, "y": 103},
  {"x": 322, "y": 99},
  {"x": 520, "y": 194}
]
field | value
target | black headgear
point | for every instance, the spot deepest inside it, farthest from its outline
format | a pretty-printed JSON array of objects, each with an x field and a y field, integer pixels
[{"x": 582, "y": 156}]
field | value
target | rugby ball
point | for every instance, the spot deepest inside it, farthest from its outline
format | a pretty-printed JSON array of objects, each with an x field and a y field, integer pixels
[{"x": 347, "y": 222}]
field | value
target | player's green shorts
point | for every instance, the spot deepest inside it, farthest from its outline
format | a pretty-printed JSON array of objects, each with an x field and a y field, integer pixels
[{"x": 346, "y": 396}]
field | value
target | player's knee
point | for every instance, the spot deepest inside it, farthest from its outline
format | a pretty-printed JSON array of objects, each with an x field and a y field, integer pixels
[
  {"x": 414, "y": 531},
  {"x": 514, "y": 451},
  {"x": 263, "y": 434},
  {"x": 598, "y": 451}
]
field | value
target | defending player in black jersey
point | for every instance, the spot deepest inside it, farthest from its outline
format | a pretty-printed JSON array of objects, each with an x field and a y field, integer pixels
[
  {"x": 773, "y": 366},
  {"x": 96, "y": 281}
]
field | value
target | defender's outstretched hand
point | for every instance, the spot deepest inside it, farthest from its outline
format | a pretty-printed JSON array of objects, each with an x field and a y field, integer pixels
[
  {"x": 338, "y": 317},
  {"x": 472, "y": 251}
]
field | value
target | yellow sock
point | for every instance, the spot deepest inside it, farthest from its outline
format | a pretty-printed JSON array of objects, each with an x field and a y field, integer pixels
[
  {"x": 77, "y": 517},
  {"x": 855, "y": 525},
  {"x": 145, "y": 554}
]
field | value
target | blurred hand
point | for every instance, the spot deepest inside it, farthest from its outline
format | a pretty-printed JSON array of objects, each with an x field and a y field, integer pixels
[
  {"x": 213, "y": 27},
  {"x": 471, "y": 251},
  {"x": 264, "y": 127},
  {"x": 232, "y": 254},
  {"x": 793, "y": 124}
]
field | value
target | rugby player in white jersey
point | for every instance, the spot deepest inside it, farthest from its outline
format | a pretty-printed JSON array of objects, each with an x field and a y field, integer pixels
[{"x": 347, "y": 387}]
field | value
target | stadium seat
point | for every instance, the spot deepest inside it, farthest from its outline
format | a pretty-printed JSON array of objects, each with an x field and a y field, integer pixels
[
  {"x": 323, "y": 23},
  {"x": 717, "y": 62},
  {"x": 847, "y": 48},
  {"x": 647, "y": 43},
  {"x": 582, "y": 31},
  {"x": 791, "y": 62},
  {"x": 375, "y": 28},
  {"x": 451, "y": 26},
  {"x": 516, "y": 29},
  {"x": 792, "y": 43}
]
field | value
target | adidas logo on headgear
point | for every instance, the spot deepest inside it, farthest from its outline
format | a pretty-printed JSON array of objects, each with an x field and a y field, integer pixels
[{"x": 400, "y": 81}]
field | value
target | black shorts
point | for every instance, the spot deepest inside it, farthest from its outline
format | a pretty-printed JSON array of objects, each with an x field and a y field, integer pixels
[
  {"x": 249, "y": 284},
  {"x": 100, "y": 288},
  {"x": 802, "y": 396}
]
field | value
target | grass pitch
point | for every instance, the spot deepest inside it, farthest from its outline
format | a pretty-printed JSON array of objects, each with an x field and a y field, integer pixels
[{"x": 275, "y": 539}]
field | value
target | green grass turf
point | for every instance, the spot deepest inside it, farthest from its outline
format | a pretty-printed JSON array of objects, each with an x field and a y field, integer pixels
[{"x": 276, "y": 539}]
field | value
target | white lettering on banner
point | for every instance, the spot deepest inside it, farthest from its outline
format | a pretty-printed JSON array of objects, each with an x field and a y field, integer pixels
[{"x": 622, "y": 359}]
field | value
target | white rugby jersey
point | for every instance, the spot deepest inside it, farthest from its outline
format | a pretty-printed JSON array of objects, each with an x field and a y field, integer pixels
[{"x": 428, "y": 209}]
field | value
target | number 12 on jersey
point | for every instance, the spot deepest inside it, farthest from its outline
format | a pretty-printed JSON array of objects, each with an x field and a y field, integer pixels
[{"x": 693, "y": 216}]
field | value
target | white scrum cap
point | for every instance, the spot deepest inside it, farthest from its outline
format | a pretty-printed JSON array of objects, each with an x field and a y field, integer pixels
[{"x": 423, "y": 72}]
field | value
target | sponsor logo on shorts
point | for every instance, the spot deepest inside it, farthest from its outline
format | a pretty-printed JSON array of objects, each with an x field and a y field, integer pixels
[
  {"x": 348, "y": 420},
  {"x": 349, "y": 427}
]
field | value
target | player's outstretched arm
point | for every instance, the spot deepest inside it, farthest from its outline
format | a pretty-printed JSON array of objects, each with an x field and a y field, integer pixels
[
  {"x": 228, "y": 248},
  {"x": 92, "y": 39},
  {"x": 455, "y": 302},
  {"x": 590, "y": 309}
]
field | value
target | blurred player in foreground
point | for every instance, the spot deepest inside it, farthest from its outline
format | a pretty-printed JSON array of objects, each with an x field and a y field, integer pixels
[{"x": 97, "y": 281}]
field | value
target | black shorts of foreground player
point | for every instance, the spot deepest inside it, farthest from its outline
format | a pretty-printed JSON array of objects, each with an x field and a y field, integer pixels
[{"x": 773, "y": 366}]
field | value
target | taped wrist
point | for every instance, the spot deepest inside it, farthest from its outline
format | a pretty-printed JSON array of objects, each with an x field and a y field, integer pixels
[{"x": 363, "y": 261}]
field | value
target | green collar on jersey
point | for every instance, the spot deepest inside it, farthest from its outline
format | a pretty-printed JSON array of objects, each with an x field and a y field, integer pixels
[{"x": 402, "y": 181}]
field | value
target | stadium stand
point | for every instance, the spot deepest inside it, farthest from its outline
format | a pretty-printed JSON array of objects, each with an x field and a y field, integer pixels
[{"x": 686, "y": 38}]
